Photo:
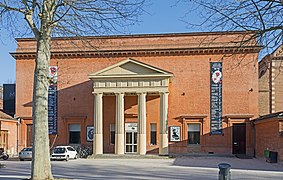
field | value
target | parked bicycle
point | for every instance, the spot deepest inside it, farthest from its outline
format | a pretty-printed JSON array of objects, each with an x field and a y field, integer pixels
[
  {"x": 83, "y": 151},
  {"x": 3, "y": 155}
]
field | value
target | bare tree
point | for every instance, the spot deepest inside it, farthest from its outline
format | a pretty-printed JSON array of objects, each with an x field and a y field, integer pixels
[
  {"x": 49, "y": 18},
  {"x": 263, "y": 17}
]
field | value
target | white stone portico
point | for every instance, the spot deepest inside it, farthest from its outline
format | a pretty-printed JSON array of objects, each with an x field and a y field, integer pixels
[{"x": 130, "y": 77}]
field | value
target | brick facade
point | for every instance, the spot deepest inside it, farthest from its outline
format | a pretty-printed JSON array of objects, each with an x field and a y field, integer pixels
[
  {"x": 268, "y": 126},
  {"x": 8, "y": 132},
  {"x": 271, "y": 83},
  {"x": 269, "y": 134},
  {"x": 186, "y": 56}
]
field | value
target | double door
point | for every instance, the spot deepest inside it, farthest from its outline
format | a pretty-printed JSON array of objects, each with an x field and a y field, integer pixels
[{"x": 131, "y": 137}]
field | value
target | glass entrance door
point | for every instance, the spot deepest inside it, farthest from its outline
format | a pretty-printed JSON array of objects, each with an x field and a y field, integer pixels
[{"x": 131, "y": 137}]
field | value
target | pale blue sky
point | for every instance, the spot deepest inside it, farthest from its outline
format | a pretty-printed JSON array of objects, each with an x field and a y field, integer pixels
[{"x": 163, "y": 17}]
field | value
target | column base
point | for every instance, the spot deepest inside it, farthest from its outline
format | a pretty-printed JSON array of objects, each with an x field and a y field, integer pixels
[
  {"x": 98, "y": 144},
  {"x": 142, "y": 144},
  {"x": 119, "y": 144},
  {"x": 163, "y": 145}
]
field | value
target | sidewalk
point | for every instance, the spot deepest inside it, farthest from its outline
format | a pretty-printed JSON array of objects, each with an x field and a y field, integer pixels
[
  {"x": 180, "y": 168},
  {"x": 236, "y": 163}
]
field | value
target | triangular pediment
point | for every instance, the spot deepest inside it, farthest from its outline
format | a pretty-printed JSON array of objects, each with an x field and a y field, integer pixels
[
  {"x": 278, "y": 52},
  {"x": 130, "y": 68}
]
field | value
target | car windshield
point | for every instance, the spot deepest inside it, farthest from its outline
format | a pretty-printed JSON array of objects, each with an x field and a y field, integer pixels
[
  {"x": 27, "y": 149},
  {"x": 59, "y": 150}
]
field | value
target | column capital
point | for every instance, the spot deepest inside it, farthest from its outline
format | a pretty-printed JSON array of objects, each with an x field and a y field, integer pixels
[
  {"x": 97, "y": 93},
  {"x": 163, "y": 92},
  {"x": 119, "y": 93},
  {"x": 141, "y": 92}
]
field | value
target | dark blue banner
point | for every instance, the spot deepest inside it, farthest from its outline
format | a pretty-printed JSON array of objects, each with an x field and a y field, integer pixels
[
  {"x": 52, "y": 109},
  {"x": 52, "y": 101},
  {"x": 216, "y": 98}
]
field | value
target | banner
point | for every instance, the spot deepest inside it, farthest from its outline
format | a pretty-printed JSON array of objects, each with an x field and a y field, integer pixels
[
  {"x": 52, "y": 100},
  {"x": 216, "y": 98}
]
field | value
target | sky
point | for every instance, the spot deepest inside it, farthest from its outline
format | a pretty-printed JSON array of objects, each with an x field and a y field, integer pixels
[{"x": 162, "y": 16}]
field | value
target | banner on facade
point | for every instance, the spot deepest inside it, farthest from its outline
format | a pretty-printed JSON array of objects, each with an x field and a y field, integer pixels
[
  {"x": 52, "y": 100},
  {"x": 216, "y": 98}
]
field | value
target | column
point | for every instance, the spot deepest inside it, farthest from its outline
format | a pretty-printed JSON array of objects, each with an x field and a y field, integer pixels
[
  {"x": 163, "y": 136},
  {"x": 119, "y": 125},
  {"x": 98, "y": 124},
  {"x": 142, "y": 123}
]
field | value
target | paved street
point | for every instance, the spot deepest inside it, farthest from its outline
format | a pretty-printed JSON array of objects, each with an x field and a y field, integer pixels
[{"x": 179, "y": 168}]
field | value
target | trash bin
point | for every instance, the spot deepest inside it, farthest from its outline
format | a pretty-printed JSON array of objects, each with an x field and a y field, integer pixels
[
  {"x": 266, "y": 153},
  {"x": 273, "y": 157},
  {"x": 224, "y": 171}
]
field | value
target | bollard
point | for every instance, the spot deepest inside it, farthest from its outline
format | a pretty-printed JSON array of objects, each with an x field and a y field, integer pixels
[{"x": 224, "y": 171}]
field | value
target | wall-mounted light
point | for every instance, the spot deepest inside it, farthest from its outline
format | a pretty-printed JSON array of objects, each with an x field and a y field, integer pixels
[
  {"x": 251, "y": 90},
  {"x": 183, "y": 94}
]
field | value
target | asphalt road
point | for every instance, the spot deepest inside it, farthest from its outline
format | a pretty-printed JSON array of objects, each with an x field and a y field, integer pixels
[{"x": 180, "y": 168}]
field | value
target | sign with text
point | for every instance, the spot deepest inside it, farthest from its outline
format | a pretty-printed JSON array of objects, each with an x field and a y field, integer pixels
[
  {"x": 216, "y": 98},
  {"x": 52, "y": 100}
]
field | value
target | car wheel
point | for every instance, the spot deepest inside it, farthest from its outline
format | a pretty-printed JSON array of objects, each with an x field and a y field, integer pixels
[
  {"x": 21, "y": 159},
  {"x": 67, "y": 158}
]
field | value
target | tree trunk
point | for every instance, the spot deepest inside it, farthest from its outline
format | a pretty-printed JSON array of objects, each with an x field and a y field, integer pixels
[{"x": 41, "y": 166}]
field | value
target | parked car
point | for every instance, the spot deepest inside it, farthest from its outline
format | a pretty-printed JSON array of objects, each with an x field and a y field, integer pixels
[
  {"x": 25, "y": 154},
  {"x": 64, "y": 153}
]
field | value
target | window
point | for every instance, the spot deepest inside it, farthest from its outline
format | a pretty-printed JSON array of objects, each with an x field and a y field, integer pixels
[
  {"x": 193, "y": 133},
  {"x": 153, "y": 134},
  {"x": 74, "y": 134},
  {"x": 4, "y": 140},
  {"x": 112, "y": 133}
]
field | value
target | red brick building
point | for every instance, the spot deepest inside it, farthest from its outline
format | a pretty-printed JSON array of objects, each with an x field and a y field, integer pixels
[
  {"x": 271, "y": 83},
  {"x": 9, "y": 130},
  {"x": 269, "y": 126},
  {"x": 158, "y": 93},
  {"x": 269, "y": 134}
]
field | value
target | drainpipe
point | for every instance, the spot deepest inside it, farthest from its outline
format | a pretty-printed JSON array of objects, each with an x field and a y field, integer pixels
[
  {"x": 254, "y": 137},
  {"x": 18, "y": 123}
]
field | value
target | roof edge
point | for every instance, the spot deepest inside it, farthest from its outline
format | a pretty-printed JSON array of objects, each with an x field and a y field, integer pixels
[
  {"x": 146, "y": 35},
  {"x": 269, "y": 116}
]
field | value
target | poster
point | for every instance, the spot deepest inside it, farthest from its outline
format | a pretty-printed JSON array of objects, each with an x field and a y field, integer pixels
[
  {"x": 175, "y": 134},
  {"x": 89, "y": 133}
]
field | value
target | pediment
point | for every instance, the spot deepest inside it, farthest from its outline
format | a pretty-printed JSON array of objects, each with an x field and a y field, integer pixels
[
  {"x": 278, "y": 52},
  {"x": 130, "y": 68}
]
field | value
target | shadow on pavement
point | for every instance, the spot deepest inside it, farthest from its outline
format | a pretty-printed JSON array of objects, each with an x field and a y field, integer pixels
[{"x": 236, "y": 163}]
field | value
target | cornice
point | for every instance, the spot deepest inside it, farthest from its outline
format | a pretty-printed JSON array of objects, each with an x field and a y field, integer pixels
[{"x": 144, "y": 52}]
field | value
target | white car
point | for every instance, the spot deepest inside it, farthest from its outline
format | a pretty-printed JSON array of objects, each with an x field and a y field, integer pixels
[
  {"x": 25, "y": 154},
  {"x": 64, "y": 153}
]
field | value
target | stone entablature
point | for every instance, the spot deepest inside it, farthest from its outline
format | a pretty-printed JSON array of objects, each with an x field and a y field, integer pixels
[
  {"x": 130, "y": 76},
  {"x": 130, "y": 86}
]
